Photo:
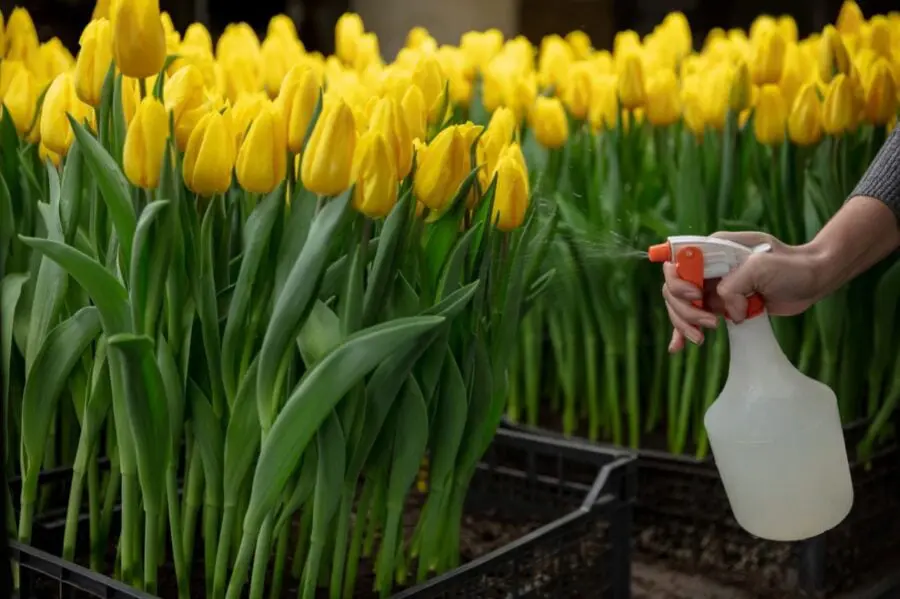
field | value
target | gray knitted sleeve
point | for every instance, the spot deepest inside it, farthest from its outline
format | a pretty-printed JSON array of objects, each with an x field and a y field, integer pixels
[{"x": 882, "y": 178}]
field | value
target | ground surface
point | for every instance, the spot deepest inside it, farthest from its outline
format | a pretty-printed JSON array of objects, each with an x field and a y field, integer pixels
[{"x": 653, "y": 582}]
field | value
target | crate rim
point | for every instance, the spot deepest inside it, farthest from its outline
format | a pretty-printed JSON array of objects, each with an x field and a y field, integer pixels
[{"x": 51, "y": 565}]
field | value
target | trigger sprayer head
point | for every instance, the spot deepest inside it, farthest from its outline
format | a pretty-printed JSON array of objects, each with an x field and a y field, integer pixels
[{"x": 661, "y": 252}]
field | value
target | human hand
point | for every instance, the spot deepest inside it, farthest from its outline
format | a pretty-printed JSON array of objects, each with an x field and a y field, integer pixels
[{"x": 785, "y": 277}]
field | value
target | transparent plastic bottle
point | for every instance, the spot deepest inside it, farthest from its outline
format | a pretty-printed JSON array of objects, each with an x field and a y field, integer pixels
[{"x": 777, "y": 440}]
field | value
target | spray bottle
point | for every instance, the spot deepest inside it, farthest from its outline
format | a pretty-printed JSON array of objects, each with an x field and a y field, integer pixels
[{"x": 775, "y": 433}]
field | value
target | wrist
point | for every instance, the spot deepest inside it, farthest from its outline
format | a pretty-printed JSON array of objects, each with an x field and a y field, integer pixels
[{"x": 817, "y": 258}]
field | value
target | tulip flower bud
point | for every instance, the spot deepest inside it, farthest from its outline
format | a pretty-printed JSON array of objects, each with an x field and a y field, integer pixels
[
  {"x": 298, "y": 97},
  {"x": 439, "y": 168},
  {"x": 209, "y": 157},
  {"x": 8, "y": 71},
  {"x": 375, "y": 176},
  {"x": 805, "y": 120},
  {"x": 580, "y": 44},
  {"x": 262, "y": 160},
  {"x": 103, "y": 9},
  {"x": 663, "y": 105},
  {"x": 511, "y": 195},
  {"x": 788, "y": 28},
  {"x": 131, "y": 98},
  {"x": 20, "y": 100},
  {"x": 604, "y": 102},
  {"x": 740, "y": 91},
  {"x": 632, "y": 93},
  {"x": 278, "y": 55},
  {"x": 770, "y": 116},
  {"x": 548, "y": 121},
  {"x": 145, "y": 143},
  {"x": 768, "y": 56},
  {"x": 412, "y": 106},
  {"x": 500, "y": 133},
  {"x": 197, "y": 36},
  {"x": 328, "y": 158},
  {"x": 387, "y": 119},
  {"x": 880, "y": 93},
  {"x": 430, "y": 79},
  {"x": 839, "y": 108},
  {"x": 60, "y": 100},
  {"x": 185, "y": 98},
  {"x": 21, "y": 36},
  {"x": 347, "y": 32},
  {"x": 282, "y": 26},
  {"x": 139, "y": 40},
  {"x": 576, "y": 90},
  {"x": 243, "y": 112},
  {"x": 94, "y": 59},
  {"x": 833, "y": 57},
  {"x": 850, "y": 19}
]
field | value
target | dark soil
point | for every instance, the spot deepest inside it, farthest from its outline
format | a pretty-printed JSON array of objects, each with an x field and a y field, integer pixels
[{"x": 481, "y": 533}]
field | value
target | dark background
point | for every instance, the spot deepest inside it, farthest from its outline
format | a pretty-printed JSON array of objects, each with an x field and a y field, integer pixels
[{"x": 599, "y": 18}]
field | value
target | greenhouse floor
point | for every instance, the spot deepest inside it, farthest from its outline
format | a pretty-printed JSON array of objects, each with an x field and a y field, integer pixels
[{"x": 651, "y": 581}]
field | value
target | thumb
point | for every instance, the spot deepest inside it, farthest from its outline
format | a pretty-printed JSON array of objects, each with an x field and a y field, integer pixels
[
  {"x": 738, "y": 285},
  {"x": 745, "y": 238}
]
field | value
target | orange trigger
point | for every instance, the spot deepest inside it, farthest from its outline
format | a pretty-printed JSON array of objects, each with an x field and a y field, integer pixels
[{"x": 689, "y": 266}]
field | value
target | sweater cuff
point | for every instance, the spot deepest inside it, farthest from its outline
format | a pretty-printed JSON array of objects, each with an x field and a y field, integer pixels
[{"x": 882, "y": 179}]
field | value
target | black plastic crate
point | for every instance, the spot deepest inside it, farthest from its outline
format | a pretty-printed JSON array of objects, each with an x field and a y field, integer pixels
[
  {"x": 683, "y": 519},
  {"x": 44, "y": 576},
  {"x": 579, "y": 498}
]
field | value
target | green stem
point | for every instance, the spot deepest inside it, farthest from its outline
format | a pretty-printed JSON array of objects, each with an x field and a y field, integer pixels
[
  {"x": 241, "y": 565},
  {"x": 359, "y": 526},
  {"x": 632, "y": 340},
  {"x": 280, "y": 558},
  {"x": 261, "y": 559},
  {"x": 673, "y": 392},
  {"x": 151, "y": 549},
  {"x": 532, "y": 356},
  {"x": 182, "y": 574},
  {"x": 611, "y": 378},
  {"x": 224, "y": 550},
  {"x": 130, "y": 525},
  {"x": 592, "y": 394},
  {"x": 93, "y": 474},
  {"x": 211, "y": 516},
  {"x": 73, "y": 511},
  {"x": 339, "y": 556},
  {"x": 688, "y": 390},
  {"x": 192, "y": 504},
  {"x": 302, "y": 546}
]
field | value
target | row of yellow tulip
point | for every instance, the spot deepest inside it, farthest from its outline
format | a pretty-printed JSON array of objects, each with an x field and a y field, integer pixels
[{"x": 368, "y": 138}]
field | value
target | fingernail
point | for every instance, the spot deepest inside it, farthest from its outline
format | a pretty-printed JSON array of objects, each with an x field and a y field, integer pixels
[
  {"x": 696, "y": 337},
  {"x": 711, "y": 323}
]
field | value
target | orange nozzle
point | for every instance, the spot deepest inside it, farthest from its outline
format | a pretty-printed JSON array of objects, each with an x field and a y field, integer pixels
[{"x": 661, "y": 252}]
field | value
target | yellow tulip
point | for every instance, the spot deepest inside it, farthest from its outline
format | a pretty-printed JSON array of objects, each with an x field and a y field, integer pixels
[
  {"x": 805, "y": 120},
  {"x": 21, "y": 36},
  {"x": 387, "y": 118},
  {"x": 412, "y": 106},
  {"x": 788, "y": 28},
  {"x": 511, "y": 194},
  {"x": 60, "y": 100},
  {"x": 328, "y": 158},
  {"x": 197, "y": 36},
  {"x": 186, "y": 99},
  {"x": 297, "y": 98},
  {"x": 243, "y": 112},
  {"x": 93, "y": 61},
  {"x": 880, "y": 93},
  {"x": 663, "y": 105},
  {"x": 375, "y": 176},
  {"x": 676, "y": 24},
  {"x": 631, "y": 83},
  {"x": 694, "y": 111},
  {"x": 626, "y": 41},
  {"x": 793, "y": 76},
  {"x": 278, "y": 55},
  {"x": 453, "y": 63},
  {"x": 768, "y": 57},
  {"x": 580, "y": 43},
  {"x": 238, "y": 39},
  {"x": 440, "y": 167},
  {"x": 145, "y": 143},
  {"x": 500, "y": 132},
  {"x": 549, "y": 123},
  {"x": 368, "y": 52},
  {"x": 739, "y": 94},
  {"x": 9, "y": 69},
  {"x": 833, "y": 57},
  {"x": 716, "y": 95},
  {"x": 139, "y": 40},
  {"x": 839, "y": 108},
  {"x": 850, "y": 19},
  {"x": 282, "y": 26},
  {"x": 429, "y": 77},
  {"x": 347, "y": 32},
  {"x": 242, "y": 75},
  {"x": 480, "y": 47},
  {"x": 554, "y": 61},
  {"x": 209, "y": 157},
  {"x": 770, "y": 116},
  {"x": 52, "y": 58},
  {"x": 262, "y": 160},
  {"x": 103, "y": 9},
  {"x": 576, "y": 90},
  {"x": 21, "y": 100},
  {"x": 604, "y": 102}
]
